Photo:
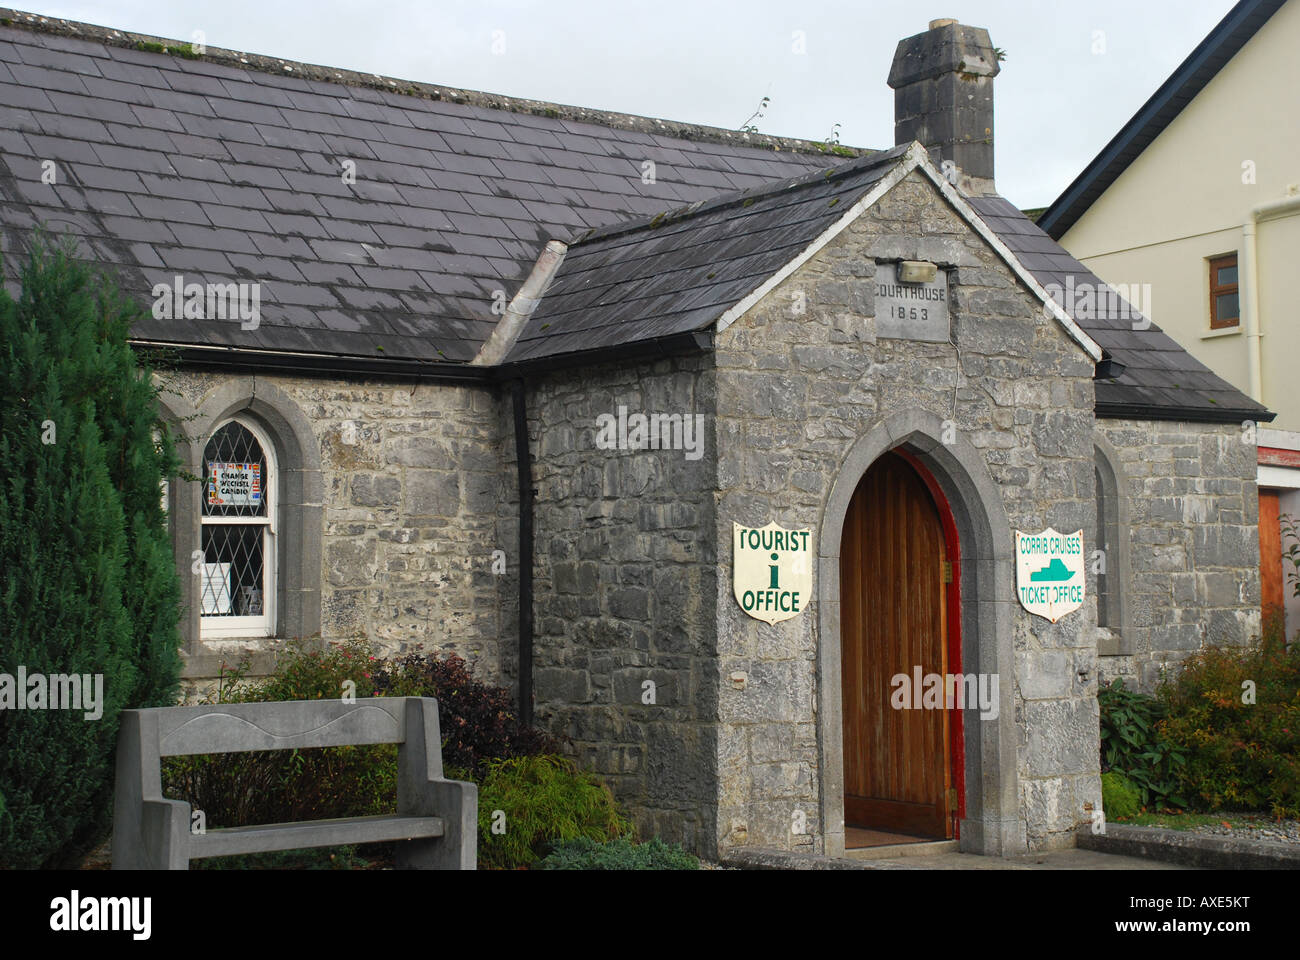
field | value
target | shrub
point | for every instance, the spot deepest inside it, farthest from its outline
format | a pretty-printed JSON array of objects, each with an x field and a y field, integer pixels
[
  {"x": 621, "y": 854},
  {"x": 1120, "y": 799},
  {"x": 544, "y": 799},
  {"x": 279, "y": 786},
  {"x": 89, "y": 583},
  {"x": 477, "y": 721},
  {"x": 1243, "y": 751},
  {"x": 240, "y": 789},
  {"x": 1132, "y": 744}
]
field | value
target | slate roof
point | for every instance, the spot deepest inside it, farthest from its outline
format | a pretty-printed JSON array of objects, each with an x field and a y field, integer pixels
[
  {"x": 228, "y": 167},
  {"x": 679, "y": 273},
  {"x": 219, "y": 172},
  {"x": 1161, "y": 376},
  {"x": 1192, "y": 76}
]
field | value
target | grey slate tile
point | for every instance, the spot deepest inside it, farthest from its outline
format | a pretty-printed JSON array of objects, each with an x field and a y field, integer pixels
[
  {"x": 128, "y": 158},
  {"x": 15, "y": 95},
  {"x": 199, "y": 168},
  {"x": 239, "y": 218},
  {"x": 194, "y": 82},
  {"x": 264, "y": 269},
  {"x": 170, "y": 210},
  {"x": 213, "y": 238}
]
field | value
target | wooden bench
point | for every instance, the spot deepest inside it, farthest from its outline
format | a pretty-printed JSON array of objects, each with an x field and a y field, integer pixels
[{"x": 436, "y": 819}]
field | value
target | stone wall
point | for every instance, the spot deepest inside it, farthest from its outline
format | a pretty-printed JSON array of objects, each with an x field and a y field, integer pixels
[
  {"x": 411, "y": 481},
  {"x": 624, "y": 590},
  {"x": 794, "y": 395},
  {"x": 1193, "y": 507}
]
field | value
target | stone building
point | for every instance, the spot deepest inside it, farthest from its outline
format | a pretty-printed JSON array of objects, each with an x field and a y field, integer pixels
[{"x": 524, "y": 382}]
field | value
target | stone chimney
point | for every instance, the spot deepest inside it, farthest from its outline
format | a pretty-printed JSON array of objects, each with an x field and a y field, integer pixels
[{"x": 943, "y": 97}]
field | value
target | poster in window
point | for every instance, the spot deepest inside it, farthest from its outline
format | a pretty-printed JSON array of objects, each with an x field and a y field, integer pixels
[{"x": 234, "y": 484}]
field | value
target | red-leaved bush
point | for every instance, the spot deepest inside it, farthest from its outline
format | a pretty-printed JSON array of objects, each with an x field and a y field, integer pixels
[{"x": 478, "y": 722}]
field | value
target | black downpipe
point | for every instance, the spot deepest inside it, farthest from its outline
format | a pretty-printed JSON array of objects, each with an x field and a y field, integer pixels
[{"x": 526, "y": 494}]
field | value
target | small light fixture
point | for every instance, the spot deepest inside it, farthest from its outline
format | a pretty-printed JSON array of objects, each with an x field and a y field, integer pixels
[{"x": 916, "y": 271}]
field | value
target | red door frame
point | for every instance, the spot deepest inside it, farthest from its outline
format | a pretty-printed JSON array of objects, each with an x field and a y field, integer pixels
[{"x": 956, "y": 724}]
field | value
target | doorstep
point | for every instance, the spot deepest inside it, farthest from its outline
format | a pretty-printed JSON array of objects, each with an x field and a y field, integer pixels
[{"x": 891, "y": 851}]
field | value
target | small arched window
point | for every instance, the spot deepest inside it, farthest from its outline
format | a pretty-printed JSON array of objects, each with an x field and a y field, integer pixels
[
  {"x": 1105, "y": 536},
  {"x": 238, "y": 531},
  {"x": 1112, "y": 543}
]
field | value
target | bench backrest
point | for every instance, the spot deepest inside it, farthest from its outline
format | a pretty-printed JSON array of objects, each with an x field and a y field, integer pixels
[
  {"x": 438, "y": 818},
  {"x": 244, "y": 727}
]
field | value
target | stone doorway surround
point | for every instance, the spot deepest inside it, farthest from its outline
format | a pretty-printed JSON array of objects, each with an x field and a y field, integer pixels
[{"x": 994, "y": 824}]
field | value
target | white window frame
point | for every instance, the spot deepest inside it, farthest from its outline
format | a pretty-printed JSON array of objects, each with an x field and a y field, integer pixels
[{"x": 218, "y": 627}]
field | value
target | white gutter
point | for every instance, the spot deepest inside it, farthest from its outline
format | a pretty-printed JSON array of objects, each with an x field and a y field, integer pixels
[
  {"x": 1250, "y": 289},
  {"x": 522, "y": 306}
]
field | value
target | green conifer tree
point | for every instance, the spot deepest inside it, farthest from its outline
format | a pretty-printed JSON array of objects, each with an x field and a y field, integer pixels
[{"x": 87, "y": 584}]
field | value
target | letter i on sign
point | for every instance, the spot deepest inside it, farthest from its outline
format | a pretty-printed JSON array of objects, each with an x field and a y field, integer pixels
[{"x": 774, "y": 585}]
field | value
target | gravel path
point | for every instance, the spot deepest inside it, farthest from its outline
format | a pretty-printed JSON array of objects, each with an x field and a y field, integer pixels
[{"x": 1252, "y": 827}]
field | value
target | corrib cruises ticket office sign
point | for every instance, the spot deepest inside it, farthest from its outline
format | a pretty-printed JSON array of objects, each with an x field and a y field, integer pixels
[
  {"x": 1050, "y": 581},
  {"x": 772, "y": 571}
]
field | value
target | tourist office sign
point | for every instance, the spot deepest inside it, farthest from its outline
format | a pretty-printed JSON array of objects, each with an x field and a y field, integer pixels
[
  {"x": 1050, "y": 580},
  {"x": 772, "y": 571}
]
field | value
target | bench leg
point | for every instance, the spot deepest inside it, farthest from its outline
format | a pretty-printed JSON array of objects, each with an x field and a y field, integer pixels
[{"x": 457, "y": 848}]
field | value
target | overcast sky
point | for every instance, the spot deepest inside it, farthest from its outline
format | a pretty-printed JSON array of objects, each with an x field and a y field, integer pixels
[{"x": 711, "y": 62}]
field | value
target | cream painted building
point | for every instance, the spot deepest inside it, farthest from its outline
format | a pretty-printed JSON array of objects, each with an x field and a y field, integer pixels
[{"x": 1197, "y": 203}]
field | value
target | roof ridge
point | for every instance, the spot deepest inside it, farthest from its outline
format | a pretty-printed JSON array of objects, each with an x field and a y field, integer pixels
[
  {"x": 738, "y": 197},
  {"x": 426, "y": 91}
]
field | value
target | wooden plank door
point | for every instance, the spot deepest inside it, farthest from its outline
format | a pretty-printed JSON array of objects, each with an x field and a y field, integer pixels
[
  {"x": 1272, "y": 592},
  {"x": 893, "y": 610}
]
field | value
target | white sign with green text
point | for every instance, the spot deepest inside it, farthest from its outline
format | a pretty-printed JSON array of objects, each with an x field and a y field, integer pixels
[
  {"x": 772, "y": 571},
  {"x": 1050, "y": 580}
]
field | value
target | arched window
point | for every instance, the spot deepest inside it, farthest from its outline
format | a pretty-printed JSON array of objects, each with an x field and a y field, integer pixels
[
  {"x": 1105, "y": 534},
  {"x": 1112, "y": 540},
  {"x": 250, "y": 565},
  {"x": 237, "y": 586}
]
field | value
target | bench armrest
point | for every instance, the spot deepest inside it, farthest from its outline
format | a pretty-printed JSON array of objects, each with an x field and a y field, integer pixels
[
  {"x": 456, "y": 803},
  {"x": 423, "y": 791},
  {"x": 154, "y": 836}
]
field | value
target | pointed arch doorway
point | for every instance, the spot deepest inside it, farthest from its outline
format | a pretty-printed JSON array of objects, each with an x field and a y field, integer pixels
[{"x": 900, "y": 617}]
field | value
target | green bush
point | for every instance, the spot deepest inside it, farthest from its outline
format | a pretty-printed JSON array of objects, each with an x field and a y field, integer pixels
[
  {"x": 544, "y": 800},
  {"x": 1120, "y": 799},
  {"x": 1242, "y": 755},
  {"x": 278, "y": 786},
  {"x": 621, "y": 854},
  {"x": 1131, "y": 743},
  {"x": 89, "y": 584}
]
